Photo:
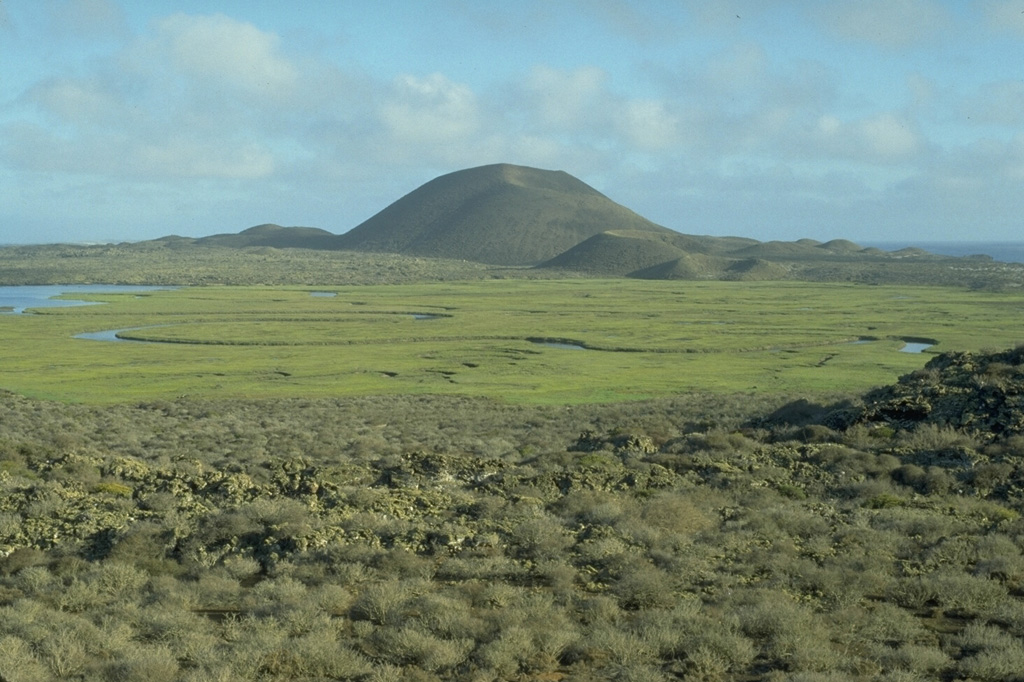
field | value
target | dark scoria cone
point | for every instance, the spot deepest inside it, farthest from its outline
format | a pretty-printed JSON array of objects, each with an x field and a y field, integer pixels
[{"x": 982, "y": 393}]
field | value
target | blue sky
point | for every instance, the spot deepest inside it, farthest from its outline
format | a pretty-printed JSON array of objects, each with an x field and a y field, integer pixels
[{"x": 869, "y": 120}]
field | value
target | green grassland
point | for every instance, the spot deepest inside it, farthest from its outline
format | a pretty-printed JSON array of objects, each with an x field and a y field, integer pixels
[{"x": 643, "y": 339}]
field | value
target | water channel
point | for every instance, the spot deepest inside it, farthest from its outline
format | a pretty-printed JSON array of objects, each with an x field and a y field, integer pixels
[
  {"x": 14, "y": 300},
  {"x": 915, "y": 347}
]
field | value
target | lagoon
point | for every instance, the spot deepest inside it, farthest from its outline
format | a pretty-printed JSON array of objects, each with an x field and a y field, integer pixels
[{"x": 16, "y": 299}]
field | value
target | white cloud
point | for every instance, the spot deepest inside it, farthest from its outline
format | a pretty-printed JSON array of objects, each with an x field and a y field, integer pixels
[
  {"x": 78, "y": 101},
  {"x": 891, "y": 24},
  {"x": 108, "y": 154},
  {"x": 185, "y": 101},
  {"x": 224, "y": 52},
  {"x": 991, "y": 163},
  {"x": 888, "y": 136},
  {"x": 648, "y": 125},
  {"x": 968, "y": 191},
  {"x": 883, "y": 138},
  {"x": 742, "y": 68},
  {"x": 432, "y": 109},
  {"x": 190, "y": 158},
  {"x": 428, "y": 118},
  {"x": 565, "y": 100},
  {"x": 1000, "y": 103}
]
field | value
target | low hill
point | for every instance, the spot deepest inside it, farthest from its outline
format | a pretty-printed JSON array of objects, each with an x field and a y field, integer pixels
[
  {"x": 687, "y": 266},
  {"x": 274, "y": 236},
  {"x": 499, "y": 214},
  {"x": 617, "y": 253},
  {"x": 840, "y": 246},
  {"x": 756, "y": 269},
  {"x": 803, "y": 250},
  {"x": 776, "y": 250},
  {"x": 652, "y": 255},
  {"x": 694, "y": 243}
]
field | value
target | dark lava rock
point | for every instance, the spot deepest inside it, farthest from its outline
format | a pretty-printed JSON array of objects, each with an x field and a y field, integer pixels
[{"x": 979, "y": 393}]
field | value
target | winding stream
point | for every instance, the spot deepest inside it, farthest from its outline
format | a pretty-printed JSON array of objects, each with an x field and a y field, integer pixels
[{"x": 111, "y": 335}]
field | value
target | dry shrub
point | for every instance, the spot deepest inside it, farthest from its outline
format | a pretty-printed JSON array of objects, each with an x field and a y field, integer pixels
[
  {"x": 382, "y": 603},
  {"x": 715, "y": 652},
  {"x": 644, "y": 587},
  {"x": 150, "y": 663},
  {"x": 917, "y": 658},
  {"x": 316, "y": 655},
  {"x": 674, "y": 514},
  {"x": 936, "y": 438},
  {"x": 506, "y": 654},
  {"x": 990, "y": 654},
  {"x": 18, "y": 663},
  {"x": 967, "y": 594},
  {"x": 64, "y": 652},
  {"x": 540, "y": 538},
  {"x": 411, "y": 646}
]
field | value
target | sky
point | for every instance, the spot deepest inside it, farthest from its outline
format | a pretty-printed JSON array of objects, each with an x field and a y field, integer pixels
[{"x": 868, "y": 120}]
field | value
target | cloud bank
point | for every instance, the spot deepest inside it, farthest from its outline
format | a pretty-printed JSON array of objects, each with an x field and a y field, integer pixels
[{"x": 705, "y": 121}]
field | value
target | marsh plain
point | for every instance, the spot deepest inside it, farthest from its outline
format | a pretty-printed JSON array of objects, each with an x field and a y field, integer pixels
[{"x": 642, "y": 339}]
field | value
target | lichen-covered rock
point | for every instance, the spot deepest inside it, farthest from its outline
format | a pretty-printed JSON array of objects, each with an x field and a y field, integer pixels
[
  {"x": 621, "y": 444},
  {"x": 979, "y": 393}
]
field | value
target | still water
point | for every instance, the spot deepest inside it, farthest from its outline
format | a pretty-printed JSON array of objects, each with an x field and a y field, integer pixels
[{"x": 14, "y": 300}]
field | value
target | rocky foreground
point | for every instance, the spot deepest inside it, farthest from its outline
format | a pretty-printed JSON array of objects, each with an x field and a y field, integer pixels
[{"x": 877, "y": 537}]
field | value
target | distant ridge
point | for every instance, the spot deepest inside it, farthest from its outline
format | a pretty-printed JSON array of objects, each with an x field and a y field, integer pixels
[
  {"x": 500, "y": 214},
  {"x": 506, "y": 215}
]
